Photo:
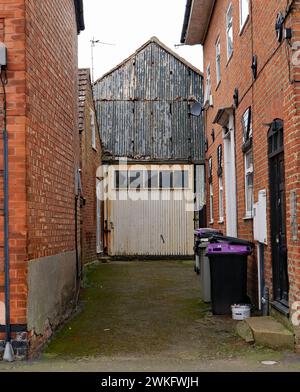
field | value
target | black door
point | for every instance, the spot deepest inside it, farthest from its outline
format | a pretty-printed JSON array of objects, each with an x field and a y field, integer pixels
[{"x": 278, "y": 215}]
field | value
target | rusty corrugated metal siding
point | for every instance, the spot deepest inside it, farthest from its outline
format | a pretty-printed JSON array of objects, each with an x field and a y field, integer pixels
[{"x": 143, "y": 108}]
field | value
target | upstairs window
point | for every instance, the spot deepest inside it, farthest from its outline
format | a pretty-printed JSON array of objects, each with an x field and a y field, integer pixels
[
  {"x": 221, "y": 205},
  {"x": 208, "y": 84},
  {"x": 218, "y": 60},
  {"x": 93, "y": 128},
  {"x": 211, "y": 204},
  {"x": 247, "y": 129},
  {"x": 249, "y": 192},
  {"x": 220, "y": 160},
  {"x": 229, "y": 31},
  {"x": 210, "y": 170},
  {"x": 244, "y": 12}
]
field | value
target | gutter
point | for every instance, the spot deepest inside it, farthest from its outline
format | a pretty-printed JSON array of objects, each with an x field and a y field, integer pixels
[
  {"x": 79, "y": 15},
  {"x": 186, "y": 21}
]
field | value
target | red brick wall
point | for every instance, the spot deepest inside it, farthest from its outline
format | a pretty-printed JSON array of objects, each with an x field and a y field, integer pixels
[
  {"x": 90, "y": 162},
  {"x": 41, "y": 38},
  {"x": 12, "y": 32},
  {"x": 52, "y": 131},
  {"x": 270, "y": 96},
  {"x": 292, "y": 170}
]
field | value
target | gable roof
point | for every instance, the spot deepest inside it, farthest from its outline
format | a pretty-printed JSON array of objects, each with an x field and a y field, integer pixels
[
  {"x": 163, "y": 46},
  {"x": 84, "y": 82}
]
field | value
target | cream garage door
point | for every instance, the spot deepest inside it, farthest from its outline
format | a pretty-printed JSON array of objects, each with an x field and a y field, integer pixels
[{"x": 151, "y": 210}]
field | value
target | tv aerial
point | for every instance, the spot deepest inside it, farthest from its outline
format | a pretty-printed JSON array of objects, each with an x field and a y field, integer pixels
[{"x": 95, "y": 42}]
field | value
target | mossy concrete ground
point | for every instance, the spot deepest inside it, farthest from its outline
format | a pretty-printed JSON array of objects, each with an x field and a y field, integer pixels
[{"x": 147, "y": 315}]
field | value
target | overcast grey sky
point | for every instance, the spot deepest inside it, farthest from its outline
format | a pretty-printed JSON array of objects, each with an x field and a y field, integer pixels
[{"x": 128, "y": 24}]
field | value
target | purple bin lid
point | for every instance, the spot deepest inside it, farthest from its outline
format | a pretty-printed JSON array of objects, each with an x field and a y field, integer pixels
[
  {"x": 228, "y": 249},
  {"x": 204, "y": 232}
]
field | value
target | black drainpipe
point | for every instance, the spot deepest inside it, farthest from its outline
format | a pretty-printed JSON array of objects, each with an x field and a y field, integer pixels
[
  {"x": 6, "y": 213},
  {"x": 78, "y": 272}
]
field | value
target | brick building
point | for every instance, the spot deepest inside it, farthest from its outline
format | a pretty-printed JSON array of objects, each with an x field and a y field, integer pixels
[
  {"x": 90, "y": 162},
  {"x": 43, "y": 157},
  {"x": 252, "y": 111}
]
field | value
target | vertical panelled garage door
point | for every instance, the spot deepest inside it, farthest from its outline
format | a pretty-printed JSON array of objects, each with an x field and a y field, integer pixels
[{"x": 153, "y": 211}]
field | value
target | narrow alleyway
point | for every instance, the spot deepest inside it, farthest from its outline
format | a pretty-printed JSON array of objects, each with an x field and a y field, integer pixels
[{"x": 148, "y": 316}]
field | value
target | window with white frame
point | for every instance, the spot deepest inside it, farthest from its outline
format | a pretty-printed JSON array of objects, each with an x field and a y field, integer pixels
[
  {"x": 211, "y": 203},
  {"x": 221, "y": 204},
  {"x": 218, "y": 60},
  {"x": 244, "y": 12},
  {"x": 208, "y": 84},
  {"x": 93, "y": 128},
  {"x": 247, "y": 125},
  {"x": 229, "y": 31},
  {"x": 249, "y": 199},
  {"x": 220, "y": 179}
]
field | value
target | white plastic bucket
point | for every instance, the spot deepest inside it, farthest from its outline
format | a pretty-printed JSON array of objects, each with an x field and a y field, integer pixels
[{"x": 241, "y": 312}]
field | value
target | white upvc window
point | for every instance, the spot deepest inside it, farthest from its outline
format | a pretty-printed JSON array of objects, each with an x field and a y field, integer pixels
[
  {"x": 221, "y": 204},
  {"x": 93, "y": 128},
  {"x": 208, "y": 84},
  {"x": 211, "y": 203},
  {"x": 229, "y": 31},
  {"x": 247, "y": 125},
  {"x": 218, "y": 60},
  {"x": 249, "y": 191},
  {"x": 244, "y": 12}
]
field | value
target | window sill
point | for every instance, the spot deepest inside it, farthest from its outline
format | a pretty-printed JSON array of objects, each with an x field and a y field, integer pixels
[
  {"x": 221, "y": 222},
  {"x": 94, "y": 148},
  {"x": 211, "y": 222},
  {"x": 248, "y": 217},
  {"x": 218, "y": 85}
]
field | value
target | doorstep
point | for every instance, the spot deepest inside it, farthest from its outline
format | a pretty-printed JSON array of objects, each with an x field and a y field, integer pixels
[{"x": 267, "y": 332}]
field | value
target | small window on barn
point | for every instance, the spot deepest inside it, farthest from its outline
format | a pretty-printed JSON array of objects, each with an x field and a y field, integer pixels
[
  {"x": 244, "y": 12},
  {"x": 229, "y": 31},
  {"x": 166, "y": 179},
  {"x": 135, "y": 179},
  {"x": 121, "y": 179},
  {"x": 93, "y": 128},
  {"x": 151, "y": 179},
  {"x": 180, "y": 179}
]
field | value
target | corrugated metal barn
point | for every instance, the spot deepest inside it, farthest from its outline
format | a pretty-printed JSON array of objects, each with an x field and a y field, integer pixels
[{"x": 153, "y": 152}]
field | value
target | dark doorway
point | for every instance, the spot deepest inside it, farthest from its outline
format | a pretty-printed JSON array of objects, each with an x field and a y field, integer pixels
[{"x": 278, "y": 216}]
